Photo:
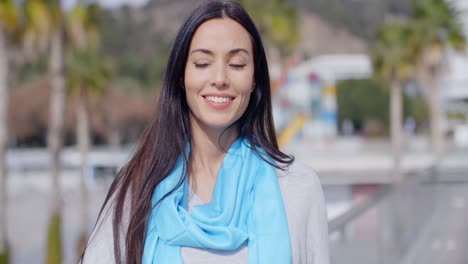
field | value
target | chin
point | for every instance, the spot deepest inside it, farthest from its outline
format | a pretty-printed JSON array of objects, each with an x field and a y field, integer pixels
[{"x": 217, "y": 123}]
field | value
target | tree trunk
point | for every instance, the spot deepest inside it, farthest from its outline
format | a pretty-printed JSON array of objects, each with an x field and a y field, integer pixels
[
  {"x": 3, "y": 139},
  {"x": 83, "y": 139},
  {"x": 435, "y": 109},
  {"x": 396, "y": 128},
  {"x": 57, "y": 109},
  {"x": 114, "y": 136}
]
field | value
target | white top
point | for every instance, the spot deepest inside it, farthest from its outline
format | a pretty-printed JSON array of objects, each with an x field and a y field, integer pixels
[{"x": 305, "y": 211}]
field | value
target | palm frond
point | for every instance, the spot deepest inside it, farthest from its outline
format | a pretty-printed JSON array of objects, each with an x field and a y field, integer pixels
[
  {"x": 392, "y": 55},
  {"x": 9, "y": 15}
]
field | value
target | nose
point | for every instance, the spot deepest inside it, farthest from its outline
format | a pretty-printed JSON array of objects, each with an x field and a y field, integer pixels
[{"x": 220, "y": 78}]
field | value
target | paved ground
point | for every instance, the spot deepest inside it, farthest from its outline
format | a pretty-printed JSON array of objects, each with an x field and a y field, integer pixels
[
  {"x": 28, "y": 214},
  {"x": 424, "y": 221},
  {"x": 444, "y": 236}
]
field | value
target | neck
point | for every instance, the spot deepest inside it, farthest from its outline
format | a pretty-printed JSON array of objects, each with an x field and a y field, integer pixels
[{"x": 207, "y": 149}]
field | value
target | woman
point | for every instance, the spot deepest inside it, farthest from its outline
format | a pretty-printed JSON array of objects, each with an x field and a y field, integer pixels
[{"x": 207, "y": 183}]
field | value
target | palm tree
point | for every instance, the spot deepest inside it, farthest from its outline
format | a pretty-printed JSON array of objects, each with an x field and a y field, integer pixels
[
  {"x": 8, "y": 23},
  {"x": 57, "y": 99},
  {"x": 277, "y": 22},
  {"x": 88, "y": 74},
  {"x": 435, "y": 26},
  {"x": 392, "y": 62},
  {"x": 45, "y": 18}
]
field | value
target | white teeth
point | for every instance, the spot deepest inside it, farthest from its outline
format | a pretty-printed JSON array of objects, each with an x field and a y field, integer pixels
[{"x": 218, "y": 100}]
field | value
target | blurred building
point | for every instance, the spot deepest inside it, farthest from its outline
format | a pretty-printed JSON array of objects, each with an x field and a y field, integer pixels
[
  {"x": 455, "y": 83},
  {"x": 456, "y": 78},
  {"x": 305, "y": 104},
  {"x": 462, "y": 6}
]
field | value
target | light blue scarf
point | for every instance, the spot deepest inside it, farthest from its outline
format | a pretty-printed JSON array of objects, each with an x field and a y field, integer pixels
[{"x": 246, "y": 205}]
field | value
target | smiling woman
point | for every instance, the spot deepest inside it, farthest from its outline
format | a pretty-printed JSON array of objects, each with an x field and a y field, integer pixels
[
  {"x": 219, "y": 74},
  {"x": 208, "y": 183}
]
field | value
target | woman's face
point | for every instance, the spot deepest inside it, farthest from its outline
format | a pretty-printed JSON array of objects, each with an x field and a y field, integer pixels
[{"x": 219, "y": 73}]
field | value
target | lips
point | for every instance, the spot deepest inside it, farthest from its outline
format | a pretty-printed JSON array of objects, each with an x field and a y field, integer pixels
[
  {"x": 218, "y": 102},
  {"x": 218, "y": 99}
]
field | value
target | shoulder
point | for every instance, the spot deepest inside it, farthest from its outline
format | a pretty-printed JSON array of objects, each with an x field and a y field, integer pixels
[
  {"x": 302, "y": 192},
  {"x": 298, "y": 179},
  {"x": 100, "y": 246},
  {"x": 306, "y": 214}
]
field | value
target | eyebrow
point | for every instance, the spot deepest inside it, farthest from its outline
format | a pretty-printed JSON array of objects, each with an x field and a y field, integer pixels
[{"x": 231, "y": 52}]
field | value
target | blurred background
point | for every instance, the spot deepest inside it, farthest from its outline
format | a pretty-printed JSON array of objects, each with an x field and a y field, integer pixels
[{"x": 373, "y": 95}]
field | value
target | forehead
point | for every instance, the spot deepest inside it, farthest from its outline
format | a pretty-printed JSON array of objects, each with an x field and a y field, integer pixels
[{"x": 221, "y": 34}]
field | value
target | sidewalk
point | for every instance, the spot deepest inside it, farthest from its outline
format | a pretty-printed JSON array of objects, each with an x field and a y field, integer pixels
[
  {"x": 356, "y": 161},
  {"x": 423, "y": 221}
]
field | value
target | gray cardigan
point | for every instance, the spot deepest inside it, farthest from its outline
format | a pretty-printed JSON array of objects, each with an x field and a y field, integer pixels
[{"x": 305, "y": 211}]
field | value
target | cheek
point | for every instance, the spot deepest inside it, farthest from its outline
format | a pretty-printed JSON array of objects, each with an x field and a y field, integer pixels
[
  {"x": 244, "y": 89},
  {"x": 193, "y": 85},
  {"x": 192, "y": 81},
  {"x": 244, "y": 102},
  {"x": 243, "y": 81}
]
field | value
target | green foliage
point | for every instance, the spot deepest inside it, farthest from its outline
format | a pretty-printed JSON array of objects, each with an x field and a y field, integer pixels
[
  {"x": 54, "y": 9},
  {"x": 9, "y": 16},
  {"x": 37, "y": 17},
  {"x": 454, "y": 115},
  {"x": 367, "y": 100},
  {"x": 277, "y": 21},
  {"x": 138, "y": 54},
  {"x": 82, "y": 25},
  {"x": 391, "y": 52},
  {"x": 435, "y": 23},
  {"x": 374, "y": 13},
  {"x": 5, "y": 256},
  {"x": 417, "y": 108},
  {"x": 362, "y": 101},
  {"x": 54, "y": 241},
  {"x": 404, "y": 46},
  {"x": 88, "y": 70}
]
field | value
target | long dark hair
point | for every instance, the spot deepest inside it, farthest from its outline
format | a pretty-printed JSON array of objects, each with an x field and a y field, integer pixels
[{"x": 166, "y": 136}]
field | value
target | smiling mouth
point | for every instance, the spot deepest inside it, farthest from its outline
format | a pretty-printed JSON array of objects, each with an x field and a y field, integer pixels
[{"x": 219, "y": 99}]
